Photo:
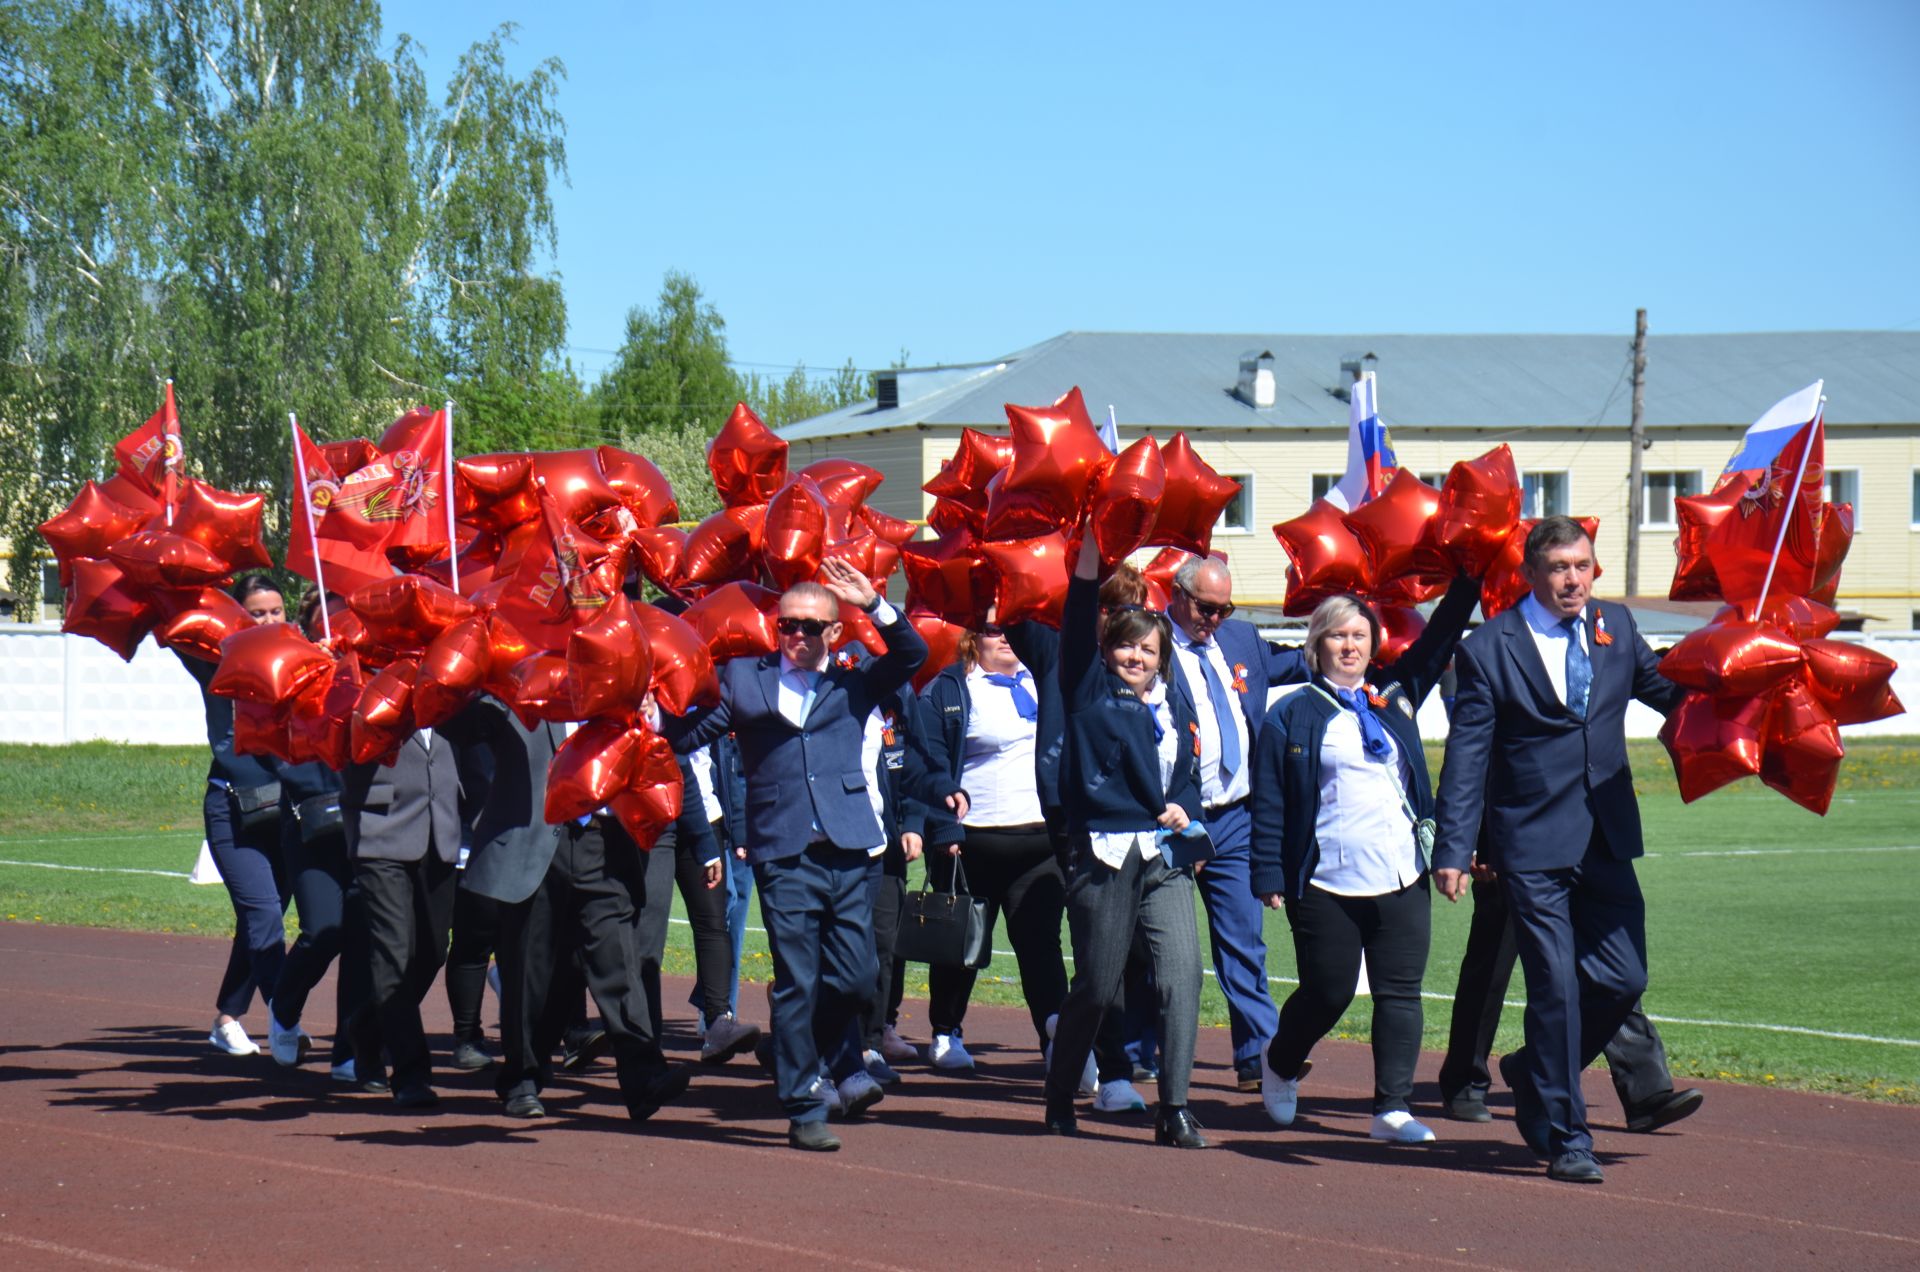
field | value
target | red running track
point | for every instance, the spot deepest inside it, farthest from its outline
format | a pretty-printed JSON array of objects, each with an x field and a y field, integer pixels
[{"x": 125, "y": 1142}]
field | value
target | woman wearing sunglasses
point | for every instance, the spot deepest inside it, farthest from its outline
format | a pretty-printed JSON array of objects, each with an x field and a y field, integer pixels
[
  {"x": 1341, "y": 835},
  {"x": 1130, "y": 786},
  {"x": 985, "y": 709}
]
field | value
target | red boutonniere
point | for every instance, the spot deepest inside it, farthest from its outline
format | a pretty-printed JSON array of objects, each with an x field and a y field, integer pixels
[
  {"x": 1601, "y": 636},
  {"x": 1193, "y": 727},
  {"x": 1239, "y": 677},
  {"x": 887, "y": 735},
  {"x": 845, "y": 658},
  {"x": 1374, "y": 698}
]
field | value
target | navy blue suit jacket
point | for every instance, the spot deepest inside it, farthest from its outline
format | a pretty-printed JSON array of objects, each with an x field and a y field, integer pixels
[
  {"x": 1542, "y": 777},
  {"x": 799, "y": 776},
  {"x": 1257, "y": 665}
]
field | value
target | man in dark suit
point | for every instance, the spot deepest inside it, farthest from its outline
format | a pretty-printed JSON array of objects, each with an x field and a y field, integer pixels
[
  {"x": 1226, "y": 668},
  {"x": 813, "y": 825},
  {"x": 1538, "y": 750},
  {"x": 562, "y": 889},
  {"x": 402, "y": 823}
]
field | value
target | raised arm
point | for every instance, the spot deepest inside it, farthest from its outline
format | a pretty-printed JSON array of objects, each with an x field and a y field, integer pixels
[
  {"x": 1418, "y": 670},
  {"x": 1079, "y": 626}
]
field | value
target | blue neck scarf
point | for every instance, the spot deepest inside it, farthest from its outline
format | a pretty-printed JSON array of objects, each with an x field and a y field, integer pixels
[
  {"x": 1373, "y": 734},
  {"x": 1023, "y": 701}
]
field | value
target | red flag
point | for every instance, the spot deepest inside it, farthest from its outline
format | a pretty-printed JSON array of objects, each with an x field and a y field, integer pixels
[
  {"x": 1788, "y": 495},
  {"x": 347, "y": 567},
  {"x": 553, "y": 591},
  {"x": 394, "y": 500},
  {"x": 151, "y": 455}
]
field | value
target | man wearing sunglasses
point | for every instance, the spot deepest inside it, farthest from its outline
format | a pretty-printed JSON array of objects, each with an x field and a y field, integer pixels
[
  {"x": 1226, "y": 668},
  {"x": 814, "y": 836}
]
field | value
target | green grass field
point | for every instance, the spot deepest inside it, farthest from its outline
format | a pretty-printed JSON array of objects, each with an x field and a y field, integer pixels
[{"x": 1759, "y": 913}]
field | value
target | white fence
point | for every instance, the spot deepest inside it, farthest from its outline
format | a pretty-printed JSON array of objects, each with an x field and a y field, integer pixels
[{"x": 56, "y": 688}]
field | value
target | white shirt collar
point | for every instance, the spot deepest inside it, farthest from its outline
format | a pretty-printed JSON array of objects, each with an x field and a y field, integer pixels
[
  {"x": 788, "y": 666},
  {"x": 1543, "y": 620}
]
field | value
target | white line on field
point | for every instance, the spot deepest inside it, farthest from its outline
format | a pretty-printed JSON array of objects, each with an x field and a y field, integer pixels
[
  {"x": 50, "y": 865},
  {"x": 1784, "y": 852}
]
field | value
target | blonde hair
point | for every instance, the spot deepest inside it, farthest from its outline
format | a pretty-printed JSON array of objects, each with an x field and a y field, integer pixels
[{"x": 1332, "y": 613}]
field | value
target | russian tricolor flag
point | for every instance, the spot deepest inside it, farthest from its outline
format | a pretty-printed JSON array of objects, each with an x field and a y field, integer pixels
[
  {"x": 1370, "y": 461},
  {"x": 1772, "y": 431}
]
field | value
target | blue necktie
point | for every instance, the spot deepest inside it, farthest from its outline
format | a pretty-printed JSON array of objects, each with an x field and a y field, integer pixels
[
  {"x": 1579, "y": 667},
  {"x": 1222, "y": 715},
  {"x": 1022, "y": 700},
  {"x": 811, "y": 680},
  {"x": 1373, "y": 734}
]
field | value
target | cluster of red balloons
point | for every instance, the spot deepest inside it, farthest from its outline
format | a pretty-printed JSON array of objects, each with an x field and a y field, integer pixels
[
  {"x": 132, "y": 566},
  {"x": 1770, "y": 691},
  {"x": 1406, "y": 546},
  {"x": 1008, "y": 512}
]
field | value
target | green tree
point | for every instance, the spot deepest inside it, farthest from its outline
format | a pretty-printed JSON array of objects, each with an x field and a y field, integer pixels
[
  {"x": 801, "y": 395},
  {"x": 672, "y": 366},
  {"x": 263, "y": 203}
]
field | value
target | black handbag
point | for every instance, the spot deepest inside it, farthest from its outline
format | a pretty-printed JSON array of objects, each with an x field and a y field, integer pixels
[
  {"x": 258, "y": 806},
  {"x": 945, "y": 929},
  {"x": 319, "y": 817}
]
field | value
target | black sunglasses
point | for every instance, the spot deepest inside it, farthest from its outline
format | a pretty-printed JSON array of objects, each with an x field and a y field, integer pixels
[
  {"x": 802, "y": 626},
  {"x": 990, "y": 629},
  {"x": 1207, "y": 609}
]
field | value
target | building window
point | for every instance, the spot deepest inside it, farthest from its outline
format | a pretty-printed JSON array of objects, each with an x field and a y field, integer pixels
[
  {"x": 52, "y": 595},
  {"x": 1916, "y": 499},
  {"x": 1843, "y": 487},
  {"x": 1436, "y": 480},
  {"x": 1237, "y": 516},
  {"x": 1543, "y": 495},
  {"x": 1323, "y": 482},
  {"x": 1662, "y": 489}
]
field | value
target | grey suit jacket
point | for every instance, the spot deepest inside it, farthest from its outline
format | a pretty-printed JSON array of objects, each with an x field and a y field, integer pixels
[
  {"x": 393, "y": 811},
  {"x": 512, "y": 843}
]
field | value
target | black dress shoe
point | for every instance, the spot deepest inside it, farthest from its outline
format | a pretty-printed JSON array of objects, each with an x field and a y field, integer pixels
[
  {"x": 1665, "y": 1110},
  {"x": 525, "y": 1105},
  {"x": 1576, "y": 1167},
  {"x": 470, "y": 1057},
  {"x": 375, "y": 1085},
  {"x": 1535, "y": 1127},
  {"x": 1247, "y": 1074},
  {"x": 1469, "y": 1105},
  {"x": 1177, "y": 1128},
  {"x": 812, "y": 1137},
  {"x": 578, "y": 1050},
  {"x": 663, "y": 1088},
  {"x": 1061, "y": 1119},
  {"x": 415, "y": 1097}
]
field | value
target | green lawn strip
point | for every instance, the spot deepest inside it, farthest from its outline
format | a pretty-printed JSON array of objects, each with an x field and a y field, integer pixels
[{"x": 1819, "y": 937}]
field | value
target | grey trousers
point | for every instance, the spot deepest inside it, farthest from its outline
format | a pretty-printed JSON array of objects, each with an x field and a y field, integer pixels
[{"x": 1106, "y": 907}]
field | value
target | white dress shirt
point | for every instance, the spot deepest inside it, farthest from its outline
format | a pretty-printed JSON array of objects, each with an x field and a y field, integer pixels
[
  {"x": 1214, "y": 792},
  {"x": 997, "y": 762},
  {"x": 1365, "y": 835},
  {"x": 1550, "y": 638},
  {"x": 701, "y": 762},
  {"x": 1112, "y": 846}
]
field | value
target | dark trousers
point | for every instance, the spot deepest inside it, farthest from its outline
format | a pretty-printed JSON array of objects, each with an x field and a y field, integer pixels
[
  {"x": 476, "y": 930},
  {"x": 250, "y": 866},
  {"x": 818, "y": 908},
  {"x": 676, "y": 862},
  {"x": 1636, "y": 1057},
  {"x": 319, "y": 874},
  {"x": 1014, "y": 869},
  {"x": 1118, "y": 1024},
  {"x": 1581, "y": 934},
  {"x": 889, "y": 899},
  {"x": 409, "y": 909},
  {"x": 1331, "y": 934},
  {"x": 585, "y": 904},
  {"x": 1107, "y": 907},
  {"x": 1236, "y": 931}
]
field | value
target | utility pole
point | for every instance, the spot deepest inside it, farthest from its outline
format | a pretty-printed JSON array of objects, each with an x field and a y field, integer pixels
[{"x": 1636, "y": 476}]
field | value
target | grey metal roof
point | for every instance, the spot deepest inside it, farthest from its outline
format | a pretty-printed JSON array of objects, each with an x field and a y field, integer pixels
[{"x": 1159, "y": 380}]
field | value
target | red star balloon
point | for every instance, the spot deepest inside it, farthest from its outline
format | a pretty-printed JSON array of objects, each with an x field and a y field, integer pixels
[
  {"x": 943, "y": 645},
  {"x": 383, "y": 718},
  {"x": 453, "y": 669},
  {"x": 1713, "y": 743},
  {"x": 722, "y": 548},
  {"x": 1479, "y": 506},
  {"x": 226, "y": 524},
  {"x": 950, "y": 577},
  {"x": 1400, "y": 626},
  {"x": 609, "y": 663},
  {"x": 1196, "y": 496},
  {"x": 157, "y": 558},
  {"x": 1032, "y": 579},
  {"x": 736, "y": 621},
  {"x": 683, "y": 671},
  {"x": 1127, "y": 500},
  {"x": 1325, "y": 558},
  {"x": 843, "y": 482},
  {"x": 748, "y": 462},
  {"x": 794, "y": 538},
  {"x": 1057, "y": 457},
  {"x": 408, "y": 610},
  {"x": 659, "y": 551},
  {"x": 104, "y": 606},
  {"x": 640, "y": 484},
  {"x": 196, "y": 621},
  {"x": 963, "y": 478},
  {"x": 267, "y": 664},
  {"x": 91, "y": 524},
  {"x": 1404, "y": 565},
  {"x": 1733, "y": 658}
]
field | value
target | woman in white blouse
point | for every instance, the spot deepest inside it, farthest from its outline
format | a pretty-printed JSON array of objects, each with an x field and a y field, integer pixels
[
  {"x": 983, "y": 713},
  {"x": 1341, "y": 832}
]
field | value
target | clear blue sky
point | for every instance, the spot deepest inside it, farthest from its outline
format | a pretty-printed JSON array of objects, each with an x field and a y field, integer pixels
[{"x": 850, "y": 180}]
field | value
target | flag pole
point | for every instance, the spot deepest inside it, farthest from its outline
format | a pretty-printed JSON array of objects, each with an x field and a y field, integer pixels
[
  {"x": 306, "y": 506},
  {"x": 453, "y": 542},
  {"x": 1806, "y": 450},
  {"x": 166, "y": 460}
]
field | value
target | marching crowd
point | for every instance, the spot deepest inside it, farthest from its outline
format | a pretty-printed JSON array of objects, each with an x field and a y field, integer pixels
[{"x": 1106, "y": 772}]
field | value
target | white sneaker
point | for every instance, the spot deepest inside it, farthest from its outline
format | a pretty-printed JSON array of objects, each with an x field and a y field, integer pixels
[
  {"x": 950, "y": 1053},
  {"x": 1089, "y": 1077},
  {"x": 858, "y": 1093},
  {"x": 896, "y": 1049},
  {"x": 1118, "y": 1096},
  {"x": 288, "y": 1046},
  {"x": 232, "y": 1039},
  {"x": 345, "y": 1071},
  {"x": 1398, "y": 1127},
  {"x": 727, "y": 1037},
  {"x": 828, "y": 1094},
  {"x": 1280, "y": 1095}
]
